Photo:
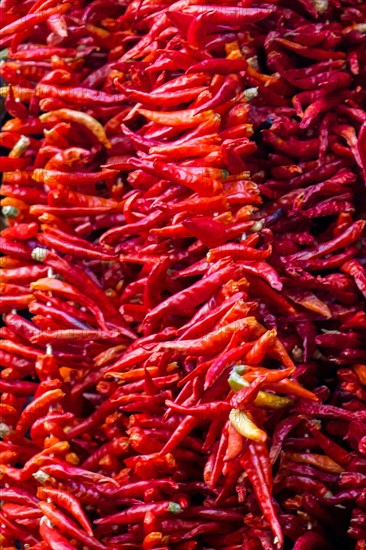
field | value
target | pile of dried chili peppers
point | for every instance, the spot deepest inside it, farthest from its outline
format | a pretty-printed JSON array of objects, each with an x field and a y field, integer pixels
[{"x": 183, "y": 275}]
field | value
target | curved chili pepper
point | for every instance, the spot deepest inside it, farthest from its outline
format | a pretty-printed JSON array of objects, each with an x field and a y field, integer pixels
[
  {"x": 63, "y": 523},
  {"x": 68, "y": 291},
  {"x": 189, "y": 298},
  {"x": 37, "y": 408},
  {"x": 52, "y": 536},
  {"x": 19, "y": 496},
  {"x": 245, "y": 426},
  {"x": 71, "y": 246},
  {"x": 357, "y": 271},
  {"x": 68, "y": 502},
  {"x": 17, "y": 532},
  {"x": 82, "y": 118}
]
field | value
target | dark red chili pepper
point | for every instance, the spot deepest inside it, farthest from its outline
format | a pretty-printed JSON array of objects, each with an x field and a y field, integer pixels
[
  {"x": 137, "y": 513},
  {"x": 219, "y": 66},
  {"x": 357, "y": 271},
  {"x": 310, "y": 539},
  {"x": 257, "y": 478},
  {"x": 351, "y": 234}
]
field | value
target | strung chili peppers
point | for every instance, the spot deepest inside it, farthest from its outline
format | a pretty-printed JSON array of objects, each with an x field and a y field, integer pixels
[{"x": 183, "y": 276}]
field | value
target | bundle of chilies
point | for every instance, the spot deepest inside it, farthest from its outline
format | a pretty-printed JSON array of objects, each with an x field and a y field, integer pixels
[{"x": 183, "y": 279}]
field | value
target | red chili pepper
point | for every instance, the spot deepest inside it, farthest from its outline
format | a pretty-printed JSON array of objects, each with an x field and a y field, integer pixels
[
  {"x": 257, "y": 479},
  {"x": 53, "y": 423},
  {"x": 17, "y": 532},
  {"x": 78, "y": 95},
  {"x": 198, "y": 181},
  {"x": 69, "y": 292},
  {"x": 166, "y": 99},
  {"x": 313, "y": 539},
  {"x": 210, "y": 344},
  {"x": 9, "y": 164},
  {"x": 224, "y": 94},
  {"x": 37, "y": 408},
  {"x": 33, "y": 19},
  {"x": 14, "y": 107},
  {"x": 68, "y": 502},
  {"x": 357, "y": 271},
  {"x": 75, "y": 247},
  {"x": 19, "y": 496},
  {"x": 7, "y": 303},
  {"x": 52, "y": 537},
  {"x": 136, "y": 513},
  {"x": 66, "y": 525},
  {"x": 62, "y": 197},
  {"x": 223, "y": 362},
  {"x": 351, "y": 234},
  {"x": 78, "y": 117},
  {"x": 309, "y": 53},
  {"x": 219, "y": 66},
  {"x": 189, "y": 298},
  {"x": 21, "y": 231},
  {"x": 43, "y": 53},
  {"x": 262, "y": 270},
  {"x": 53, "y": 178},
  {"x": 334, "y": 451},
  {"x": 182, "y": 119},
  {"x": 207, "y": 409},
  {"x": 231, "y": 16}
]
